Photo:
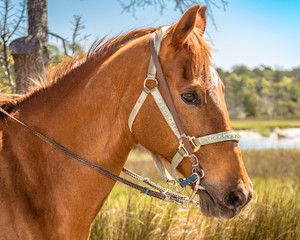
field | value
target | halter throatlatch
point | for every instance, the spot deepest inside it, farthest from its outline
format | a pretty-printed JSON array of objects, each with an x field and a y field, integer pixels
[{"x": 187, "y": 145}]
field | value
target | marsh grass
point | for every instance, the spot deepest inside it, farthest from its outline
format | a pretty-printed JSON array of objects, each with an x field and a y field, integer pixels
[
  {"x": 264, "y": 127},
  {"x": 274, "y": 212}
]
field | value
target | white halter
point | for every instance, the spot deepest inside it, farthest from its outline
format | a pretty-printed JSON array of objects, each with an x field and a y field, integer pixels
[{"x": 196, "y": 142}]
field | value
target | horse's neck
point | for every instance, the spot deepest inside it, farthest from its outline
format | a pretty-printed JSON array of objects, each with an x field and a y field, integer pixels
[
  {"x": 89, "y": 120},
  {"x": 88, "y": 114}
]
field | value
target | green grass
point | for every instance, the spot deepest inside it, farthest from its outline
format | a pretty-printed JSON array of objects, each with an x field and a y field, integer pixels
[
  {"x": 264, "y": 127},
  {"x": 252, "y": 123},
  {"x": 274, "y": 212}
]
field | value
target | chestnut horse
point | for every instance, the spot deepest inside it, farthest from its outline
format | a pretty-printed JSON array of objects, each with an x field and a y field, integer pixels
[{"x": 44, "y": 194}]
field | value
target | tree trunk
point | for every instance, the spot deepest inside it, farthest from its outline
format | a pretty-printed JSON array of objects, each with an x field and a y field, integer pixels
[{"x": 31, "y": 53}]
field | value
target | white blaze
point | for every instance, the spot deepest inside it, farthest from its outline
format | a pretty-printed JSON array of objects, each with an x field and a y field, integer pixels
[
  {"x": 213, "y": 89},
  {"x": 213, "y": 76}
]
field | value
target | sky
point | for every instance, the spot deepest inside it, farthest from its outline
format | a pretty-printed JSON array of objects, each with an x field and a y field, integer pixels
[{"x": 249, "y": 32}]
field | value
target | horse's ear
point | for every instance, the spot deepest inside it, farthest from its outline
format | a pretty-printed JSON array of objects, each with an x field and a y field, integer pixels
[
  {"x": 201, "y": 19},
  {"x": 193, "y": 17}
]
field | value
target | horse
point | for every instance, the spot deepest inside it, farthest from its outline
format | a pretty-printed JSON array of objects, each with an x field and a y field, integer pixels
[{"x": 45, "y": 194}]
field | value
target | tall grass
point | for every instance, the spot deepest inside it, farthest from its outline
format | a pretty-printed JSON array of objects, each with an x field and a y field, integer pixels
[{"x": 274, "y": 212}]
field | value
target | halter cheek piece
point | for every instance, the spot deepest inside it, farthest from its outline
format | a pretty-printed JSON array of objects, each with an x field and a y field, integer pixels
[{"x": 187, "y": 145}]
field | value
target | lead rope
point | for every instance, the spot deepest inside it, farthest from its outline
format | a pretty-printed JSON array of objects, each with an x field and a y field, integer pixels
[
  {"x": 164, "y": 194},
  {"x": 152, "y": 184},
  {"x": 182, "y": 200}
]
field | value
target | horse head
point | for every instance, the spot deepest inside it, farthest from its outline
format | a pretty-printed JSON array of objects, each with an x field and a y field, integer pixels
[{"x": 198, "y": 96}]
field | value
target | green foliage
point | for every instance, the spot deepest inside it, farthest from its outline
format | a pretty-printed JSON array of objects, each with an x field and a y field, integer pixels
[
  {"x": 56, "y": 55},
  {"x": 273, "y": 213},
  {"x": 5, "y": 86},
  {"x": 262, "y": 92}
]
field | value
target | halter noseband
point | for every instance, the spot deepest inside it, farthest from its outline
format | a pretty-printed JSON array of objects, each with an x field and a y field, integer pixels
[{"x": 187, "y": 145}]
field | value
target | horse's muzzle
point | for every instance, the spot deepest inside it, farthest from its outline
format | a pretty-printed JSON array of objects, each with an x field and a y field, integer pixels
[{"x": 230, "y": 205}]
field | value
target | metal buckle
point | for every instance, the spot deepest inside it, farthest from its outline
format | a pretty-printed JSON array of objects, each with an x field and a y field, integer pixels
[
  {"x": 191, "y": 140},
  {"x": 196, "y": 148},
  {"x": 181, "y": 145},
  {"x": 150, "y": 79}
]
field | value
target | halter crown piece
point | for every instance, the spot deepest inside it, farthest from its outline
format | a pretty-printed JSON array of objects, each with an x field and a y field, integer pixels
[{"x": 187, "y": 145}]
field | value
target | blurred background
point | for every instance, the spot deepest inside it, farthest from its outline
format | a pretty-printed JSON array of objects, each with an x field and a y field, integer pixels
[{"x": 256, "y": 52}]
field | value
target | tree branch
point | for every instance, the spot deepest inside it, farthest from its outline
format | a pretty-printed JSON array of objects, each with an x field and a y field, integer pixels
[
  {"x": 182, "y": 5},
  {"x": 63, "y": 42},
  {"x": 17, "y": 25},
  {"x": 6, "y": 34},
  {"x": 5, "y": 16},
  {"x": 78, "y": 26}
]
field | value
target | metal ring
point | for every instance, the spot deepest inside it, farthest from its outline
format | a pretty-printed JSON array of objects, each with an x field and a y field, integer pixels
[
  {"x": 150, "y": 79},
  {"x": 184, "y": 207},
  {"x": 172, "y": 182},
  {"x": 175, "y": 187},
  {"x": 202, "y": 173},
  {"x": 194, "y": 156}
]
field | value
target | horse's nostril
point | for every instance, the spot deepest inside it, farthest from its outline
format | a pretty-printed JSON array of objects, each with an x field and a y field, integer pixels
[{"x": 235, "y": 199}]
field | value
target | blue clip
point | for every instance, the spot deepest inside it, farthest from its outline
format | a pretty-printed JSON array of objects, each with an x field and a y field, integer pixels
[
  {"x": 190, "y": 179},
  {"x": 200, "y": 174},
  {"x": 146, "y": 192}
]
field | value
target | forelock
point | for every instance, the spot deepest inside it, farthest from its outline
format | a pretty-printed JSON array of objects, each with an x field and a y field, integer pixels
[{"x": 200, "y": 54}]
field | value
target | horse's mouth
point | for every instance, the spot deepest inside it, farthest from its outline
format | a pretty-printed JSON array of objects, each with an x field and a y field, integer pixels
[{"x": 212, "y": 207}]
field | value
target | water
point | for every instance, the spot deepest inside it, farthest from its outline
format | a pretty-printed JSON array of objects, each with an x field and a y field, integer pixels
[{"x": 279, "y": 139}]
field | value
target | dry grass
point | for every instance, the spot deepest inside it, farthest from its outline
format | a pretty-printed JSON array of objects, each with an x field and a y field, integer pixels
[{"x": 274, "y": 213}]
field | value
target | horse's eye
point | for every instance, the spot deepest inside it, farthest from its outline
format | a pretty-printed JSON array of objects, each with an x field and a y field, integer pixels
[{"x": 190, "y": 98}]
